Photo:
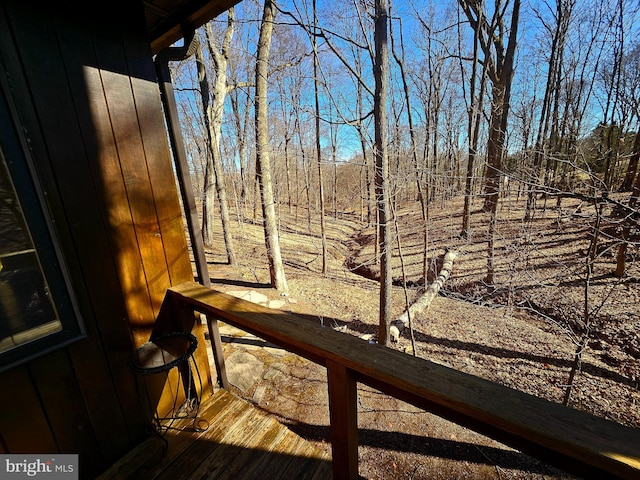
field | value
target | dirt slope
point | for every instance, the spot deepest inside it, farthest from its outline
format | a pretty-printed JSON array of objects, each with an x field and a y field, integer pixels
[{"x": 489, "y": 332}]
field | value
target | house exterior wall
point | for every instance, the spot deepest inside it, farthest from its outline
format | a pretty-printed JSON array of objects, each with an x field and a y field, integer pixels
[{"x": 83, "y": 88}]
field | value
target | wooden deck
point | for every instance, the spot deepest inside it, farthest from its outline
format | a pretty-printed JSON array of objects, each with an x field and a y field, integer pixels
[
  {"x": 570, "y": 439},
  {"x": 241, "y": 442}
]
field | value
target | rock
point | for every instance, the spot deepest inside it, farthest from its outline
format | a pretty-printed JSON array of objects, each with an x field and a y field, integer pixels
[
  {"x": 258, "y": 394},
  {"x": 274, "y": 370},
  {"x": 277, "y": 304},
  {"x": 277, "y": 351},
  {"x": 250, "y": 296},
  {"x": 243, "y": 370},
  {"x": 252, "y": 344},
  {"x": 230, "y": 330}
]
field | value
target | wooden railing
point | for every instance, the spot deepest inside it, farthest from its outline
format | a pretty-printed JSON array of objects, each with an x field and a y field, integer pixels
[{"x": 572, "y": 440}]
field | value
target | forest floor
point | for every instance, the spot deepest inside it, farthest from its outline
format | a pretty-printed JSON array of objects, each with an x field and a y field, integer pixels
[{"x": 520, "y": 332}]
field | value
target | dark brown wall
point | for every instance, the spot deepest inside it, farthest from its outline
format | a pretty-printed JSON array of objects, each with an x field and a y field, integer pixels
[{"x": 84, "y": 87}]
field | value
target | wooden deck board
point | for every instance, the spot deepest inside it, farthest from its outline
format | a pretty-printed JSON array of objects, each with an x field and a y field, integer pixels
[
  {"x": 212, "y": 443},
  {"x": 229, "y": 453},
  {"x": 253, "y": 449},
  {"x": 241, "y": 442},
  {"x": 302, "y": 465}
]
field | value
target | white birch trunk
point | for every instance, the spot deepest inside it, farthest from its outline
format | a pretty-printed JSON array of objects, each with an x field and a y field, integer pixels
[{"x": 423, "y": 302}]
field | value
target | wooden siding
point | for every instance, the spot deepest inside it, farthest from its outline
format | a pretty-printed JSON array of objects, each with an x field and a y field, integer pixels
[{"x": 84, "y": 89}]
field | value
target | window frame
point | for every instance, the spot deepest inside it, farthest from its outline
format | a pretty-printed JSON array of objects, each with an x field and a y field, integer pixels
[{"x": 24, "y": 177}]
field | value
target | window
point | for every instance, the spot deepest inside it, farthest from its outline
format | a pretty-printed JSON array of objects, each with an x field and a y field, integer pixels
[{"x": 36, "y": 309}]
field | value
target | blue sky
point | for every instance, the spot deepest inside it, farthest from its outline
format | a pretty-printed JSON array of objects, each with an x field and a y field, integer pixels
[{"x": 441, "y": 17}]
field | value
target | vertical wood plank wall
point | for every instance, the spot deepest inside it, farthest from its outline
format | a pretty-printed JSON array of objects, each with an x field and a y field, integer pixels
[{"x": 84, "y": 87}]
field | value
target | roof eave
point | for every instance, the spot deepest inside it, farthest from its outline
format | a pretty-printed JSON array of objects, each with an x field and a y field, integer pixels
[{"x": 189, "y": 17}]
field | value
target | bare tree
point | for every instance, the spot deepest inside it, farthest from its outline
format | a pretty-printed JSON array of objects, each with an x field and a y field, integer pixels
[
  {"x": 629, "y": 101},
  {"x": 380, "y": 74},
  {"x": 499, "y": 62},
  {"x": 241, "y": 114},
  {"x": 380, "y": 62},
  {"x": 263, "y": 161},
  {"x": 213, "y": 109},
  {"x": 630, "y": 217},
  {"x": 306, "y": 169},
  {"x": 365, "y": 141},
  {"x": 474, "y": 109},
  {"x": 316, "y": 91},
  {"x": 424, "y": 210},
  {"x": 613, "y": 80}
]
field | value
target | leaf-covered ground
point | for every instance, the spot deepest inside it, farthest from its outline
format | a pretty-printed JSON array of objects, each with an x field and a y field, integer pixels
[{"x": 520, "y": 332}]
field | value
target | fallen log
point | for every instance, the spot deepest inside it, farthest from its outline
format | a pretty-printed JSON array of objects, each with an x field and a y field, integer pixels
[{"x": 423, "y": 302}]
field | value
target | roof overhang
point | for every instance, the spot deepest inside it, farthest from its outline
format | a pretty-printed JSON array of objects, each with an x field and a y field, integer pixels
[{"x": 170, "y": 20}]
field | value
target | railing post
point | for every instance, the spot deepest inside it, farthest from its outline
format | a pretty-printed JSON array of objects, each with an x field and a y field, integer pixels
[
  {"x": 218, "y": 356},
  {"x": 343, "y": 412}
]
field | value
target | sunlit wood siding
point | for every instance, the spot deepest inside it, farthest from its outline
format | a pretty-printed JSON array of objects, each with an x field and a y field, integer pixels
[{"x": 83, "y": 85}]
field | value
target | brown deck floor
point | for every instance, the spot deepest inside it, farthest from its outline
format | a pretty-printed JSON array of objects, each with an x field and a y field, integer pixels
[{"x": 241, "y": 443}]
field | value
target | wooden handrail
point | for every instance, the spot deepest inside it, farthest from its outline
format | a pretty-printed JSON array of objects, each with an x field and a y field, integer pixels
[{"x": 573, "y": 440}]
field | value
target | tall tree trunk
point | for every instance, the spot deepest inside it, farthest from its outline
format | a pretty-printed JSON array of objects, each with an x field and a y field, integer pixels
[
  {"x": 495, "y": 147},
  {"x": 632, "y": 169},
  {"x": 564, "y": 11},
  {"x": 635, "y": 193},
  {"x": 307, "y": 175},
  {"x": 471, "y": 164},
  {"x": 217, "y": 108},
  {"x": 434, "y": 102},
  {"x": 316, "y": 88},
  {"x": 334, "y": 162},
  {"x": 241, "y": 128},
  {"x": 621, "y": 259},
  {"x": 500, "y": 64},
  {"x": 367, "y": 197},
  {"x": 414, "y": 154},
  {"x": 380, "y": 73},
  {"x": 473, "y": 132},
  {"x": 613, "y": 98},
  {"x": 287, "y": 142},
  {"x": 360, "y": 127},
  {"x": 208, "y": 202},
  {"x": 208, "y": 189},
  {"x": 213, "y": 120},
  {"x": 263, "y": 161},
  {"x": 288, "y": 132}
]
